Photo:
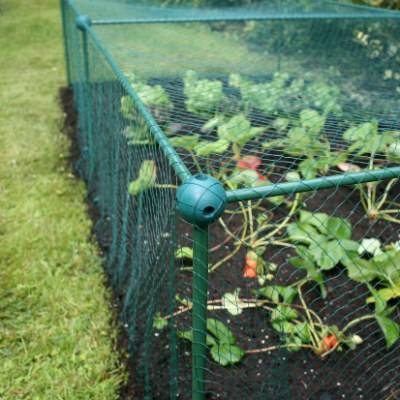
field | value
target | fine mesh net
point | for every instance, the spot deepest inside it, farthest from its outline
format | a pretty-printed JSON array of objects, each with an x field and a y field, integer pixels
[{"x": 272, "y": 100}]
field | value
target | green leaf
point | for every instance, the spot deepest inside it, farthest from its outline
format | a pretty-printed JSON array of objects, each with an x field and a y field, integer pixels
[
  {"x": 188, "y": 335},
  {"x": 187, "y": 142},
  {"x": 349, "y": 245},
  {"x": 393, "y": 151},
  {"x": 212, "y": 123},
  {"x": 359, "y": 270},
  {"x": 138, "y": 134},
  {"x": 246, "y": 178},
  {"x": 302, "y": 232},
  {"x": 206, "y": 148},
  {"x": 276, "y": 200},
  {"x": 128, "y": 107},
  {"x": 293, "y": 176},
  {"x": 184, "y": 252},
  {"x": 380, "y": 303},
  {"x": 390, "y": 329},
  {"x": 283, "y": 327},
  {"x": 327, "y": 253},
  {"x": 387, "y": 265},
  {"x": 232, "y": 303},
  {"x": 153, "y": 96},
  {"x": 281, "y": 124},
  {"x": 220, "y": 331},
  {"x": 203, "y": 96},
  {"x": 386, "y": 294},
  {"x": 238, "y": 130},
  {"x": 339, "y": 228},
  {"x": 318, "y": 220},
  {"x": 283, "y": 313},
  {"x": 361, "y": 133},
  {"x": 159, "y": 322},
  {"x": 278, "y": 293},
  {"x": 145, "y": 180},
  {"x": 306, "y": 261},
  {"x": 303, "y": 332},
  {"x": 312, "y": 120},
  {"x": 226, "y": 354}
]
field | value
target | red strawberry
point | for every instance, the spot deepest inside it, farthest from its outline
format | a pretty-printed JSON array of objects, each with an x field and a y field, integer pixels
[
  {"x": 261, "y": 177},
  {"x": 249, "y": 272},
  {"x": 250, "y": 269},
  {"x": 249, "y": 162},
  {"x": 328, "y": 343}
]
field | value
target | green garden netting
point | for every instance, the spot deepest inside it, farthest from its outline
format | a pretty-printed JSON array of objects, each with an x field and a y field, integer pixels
[{"x": 243, "y": 166}]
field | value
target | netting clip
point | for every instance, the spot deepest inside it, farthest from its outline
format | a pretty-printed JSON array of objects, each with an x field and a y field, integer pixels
[{"x": 201, "y": 199}]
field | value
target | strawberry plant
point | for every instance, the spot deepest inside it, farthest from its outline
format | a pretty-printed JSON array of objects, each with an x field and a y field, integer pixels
[
  {"x": 322, "y": 242},
  {"x": 383, "y": 267},
  {"x": 146, "y": 179},
  {"x": 155, "y": 98},
  {"x": 366, "y": 140},
  {"x": 220, "y": 341},
  {"x": 203, "y": 97},
  {"x": 282, "y": 94},
  {"x": 306, "y": 139},
  {"x": 297, "y": 324}
]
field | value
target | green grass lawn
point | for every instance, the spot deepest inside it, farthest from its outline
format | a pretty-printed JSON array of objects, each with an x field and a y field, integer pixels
[{"x": 56, "y": 329}]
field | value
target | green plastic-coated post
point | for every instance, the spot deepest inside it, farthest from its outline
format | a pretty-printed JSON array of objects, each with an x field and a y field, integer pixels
[
  {"x": 201, "y": 200},
  {"x": 199, "y": 316},
  {"x": 66, "y": 40},
  {"x": 83, "y": 23}
]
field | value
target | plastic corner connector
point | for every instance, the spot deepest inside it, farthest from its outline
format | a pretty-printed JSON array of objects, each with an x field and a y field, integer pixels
[
  {"x": 83, "y": 22},
  {"x": 201, "y": 200}
]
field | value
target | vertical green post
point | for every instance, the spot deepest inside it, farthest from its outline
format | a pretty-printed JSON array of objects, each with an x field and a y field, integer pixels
[
  {"x": 66, "y": 40},
  {"x": 83, "y": 23},
  {"x": 200, "y": 200},
  {"x": 199, "y": 318}
]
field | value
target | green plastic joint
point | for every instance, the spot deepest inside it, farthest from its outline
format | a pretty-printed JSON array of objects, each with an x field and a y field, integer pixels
[
  {"x": 83, "y": 22},
  {"x": 201, "y": 200}
]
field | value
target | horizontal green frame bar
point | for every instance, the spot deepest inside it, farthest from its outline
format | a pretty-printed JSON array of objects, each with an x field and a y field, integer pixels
[
  {"x": 247, "y": 17},
  {"x": 326, "y": 182},
  {"x": 175, "y": 161}
]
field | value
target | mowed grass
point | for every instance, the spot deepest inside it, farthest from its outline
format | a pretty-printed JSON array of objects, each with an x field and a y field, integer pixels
[
  {"x": 56, "y": 330},
  {"x": 165, "y": 50}
]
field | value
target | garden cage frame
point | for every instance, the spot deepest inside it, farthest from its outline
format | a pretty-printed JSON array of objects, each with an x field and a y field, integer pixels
[{"x": 224, "y": 123}]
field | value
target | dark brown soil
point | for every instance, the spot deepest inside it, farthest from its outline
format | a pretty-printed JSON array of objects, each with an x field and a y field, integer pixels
[{"x": 370, "y": 372}]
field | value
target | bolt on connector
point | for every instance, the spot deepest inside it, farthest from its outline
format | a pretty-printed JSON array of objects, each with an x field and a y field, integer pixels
[
  {"x": 201, "y": 200},
  {"x": 83, "y": 22}
]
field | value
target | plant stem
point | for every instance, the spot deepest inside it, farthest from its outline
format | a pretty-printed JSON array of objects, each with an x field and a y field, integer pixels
[
  {"x": 225, "y": 259},
  {"x": 277, "y": 347},
  {"x": 218, "y": 246},
  {"x": 390, "y": 211},
  {"x": 196, "y": 162},
  {"x": 391, "y": 219},
  {"x": 357, "y": 320},
  {"x": 165, "y": 186},
  {"x": 314, "y": 336},
  {"x": 386, "y": 193},
  {"x": 283, "y": 223},
  {"x": 251, "y": 220}
]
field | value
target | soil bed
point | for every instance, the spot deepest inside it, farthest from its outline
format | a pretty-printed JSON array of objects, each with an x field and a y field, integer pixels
[{"x": 302, "y": 375}]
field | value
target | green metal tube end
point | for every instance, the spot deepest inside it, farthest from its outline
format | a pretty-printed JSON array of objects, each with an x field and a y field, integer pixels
[
  {"x": 83, "y": 22},
  {"x": 201, "y": 200}
]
